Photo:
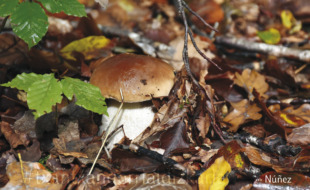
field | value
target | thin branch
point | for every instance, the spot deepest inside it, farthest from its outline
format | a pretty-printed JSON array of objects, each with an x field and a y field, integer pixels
[
  {"x": 3, "y": 23},
  {"x": 198, "y": 16},
  {"x": 181, "y": 4},
  {"x": 199, "y": 51},
  {"x": 276, "y": 50}
]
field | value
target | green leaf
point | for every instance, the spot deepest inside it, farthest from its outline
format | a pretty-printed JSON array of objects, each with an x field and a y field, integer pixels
[
  {"x": 23, "y": 81},
  {"x": 7, "y": 6},
  {"x": 87, "y": 95},
  {"x": 29, "y": 22},
  {"x": 271, "y": 36},
  {"x": 70, "y": 7},
  {"x": 43, "y": 94}
]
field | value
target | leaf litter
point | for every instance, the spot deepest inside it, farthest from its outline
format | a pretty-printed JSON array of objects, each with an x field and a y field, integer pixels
[{"x": 253, "y": 115}]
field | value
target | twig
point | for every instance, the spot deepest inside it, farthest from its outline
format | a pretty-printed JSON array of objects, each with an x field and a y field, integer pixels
[
  {"x": 3, "y": 23},
  {"x": 107, "y": 133},
  {"x": 278, "y": 146},
  {"x": 159, "y": 157},
  {"x": 276, "y": 50},
  {"x": 180, "y": 5},
  {"x": 21, "y": 166}
]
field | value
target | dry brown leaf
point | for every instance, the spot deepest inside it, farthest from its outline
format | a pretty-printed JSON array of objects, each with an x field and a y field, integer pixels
[
  {"x": 300, "y": 135},
  {"x": 60, "y": 146},
  {"x": 288, "y": 115},
  {"x": 174, "y": 138},
  {"x": 250, "y": 79},
  {"x": 303, "y": 111},
  {"x": 243, "y": 111},
  {"x": 256, "y": 157},
  {"x": 35, "y": 177},
  {"x": 13, "y": 138},
  {"x": 203, "y": 124}
]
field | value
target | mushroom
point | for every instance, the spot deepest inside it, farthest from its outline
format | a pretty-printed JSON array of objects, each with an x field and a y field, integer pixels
[{"x": 140, "y": 78}]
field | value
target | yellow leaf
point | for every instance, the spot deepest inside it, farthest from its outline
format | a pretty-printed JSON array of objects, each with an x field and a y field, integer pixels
[
  {"x": 287, "y": 19},
  {"x": 215, "y": 177},
  {"x": 84, "y": 46}
]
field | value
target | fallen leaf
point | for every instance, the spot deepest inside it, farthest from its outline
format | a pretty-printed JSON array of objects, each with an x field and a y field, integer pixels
[
  {"x": 35, "y": 177},
  {"x": 257, "y": 157},
  {"x": 130, "y": 162},
  {"x": 86, "y": 46},
  {"x": 303, "y": 111},
  {"x": 271, "y": 36},
  {"x": 250, "y": 80},
  {"x": 26, "y": 124},
  {"x": 13, "y": 138},
  {"x": 286, "y": 115},
  {"x": 215, "y": 177},
  {"x": 174, "y": 138},
  {"x": 300, "y": 135},
  {"x": 13, "y": 51},
  {"x": 287, "y": 18},
  {"x": 243, "y": 110},
  {"x": 203, "y": 124},
  {"x": 31, "y": 153}
]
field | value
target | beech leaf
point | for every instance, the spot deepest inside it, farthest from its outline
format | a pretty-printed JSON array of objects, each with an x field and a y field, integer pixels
[
  {"x": 23, "y": 81},
  {"x": 29, "y": 22},
  {"x": 43, "y": 94},
  {"x": 87, "y": 95},
  {"x": 70, "y": 7},
  {"x": 7, "y": 6}
]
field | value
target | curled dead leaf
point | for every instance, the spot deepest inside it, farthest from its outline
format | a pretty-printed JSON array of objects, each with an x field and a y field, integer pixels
[
  {"x": 250, "y": 79},
  {"x": 243, "y": 110}
]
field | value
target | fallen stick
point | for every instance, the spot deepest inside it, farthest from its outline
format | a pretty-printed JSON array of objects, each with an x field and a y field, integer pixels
[{"x": 276, "y": 50}]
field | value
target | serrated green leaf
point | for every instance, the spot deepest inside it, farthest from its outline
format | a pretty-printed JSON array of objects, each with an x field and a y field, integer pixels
[
  {"x": 271, "y": 36},
  {"x": 43, "y": 94},
  {"x": 23, "y": 81},
  {"x": 29, "y": 22},
  {"x": 87, "y": 95},
  {"x": 7, "y": 6},
  {"x": 70, "y": 7}
]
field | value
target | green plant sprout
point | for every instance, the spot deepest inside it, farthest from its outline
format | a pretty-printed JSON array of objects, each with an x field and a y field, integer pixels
[
  {"x": 44, "y": 91},
  {"x": 29, "y": 20}
]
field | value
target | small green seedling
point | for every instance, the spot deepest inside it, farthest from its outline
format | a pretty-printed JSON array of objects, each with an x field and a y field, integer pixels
[{"x": 45, "y": 91}]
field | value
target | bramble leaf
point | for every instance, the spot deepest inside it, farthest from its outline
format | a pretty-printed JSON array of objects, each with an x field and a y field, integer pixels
[
  {"x": 29, "y": 22},
  {"x": 87, "y": 95},
  {"x": 7, "y": 6},
  {"x": 23, "y": 81},
  {"x": 70, "y": 7},
  {"x": 43, "y": 94}
]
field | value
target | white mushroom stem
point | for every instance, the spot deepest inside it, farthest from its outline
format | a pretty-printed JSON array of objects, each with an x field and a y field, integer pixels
[{"x": 135, "y": 118}]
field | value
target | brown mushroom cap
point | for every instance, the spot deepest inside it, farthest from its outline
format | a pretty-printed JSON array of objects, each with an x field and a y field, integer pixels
[{"x": 140, "y": 77}]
